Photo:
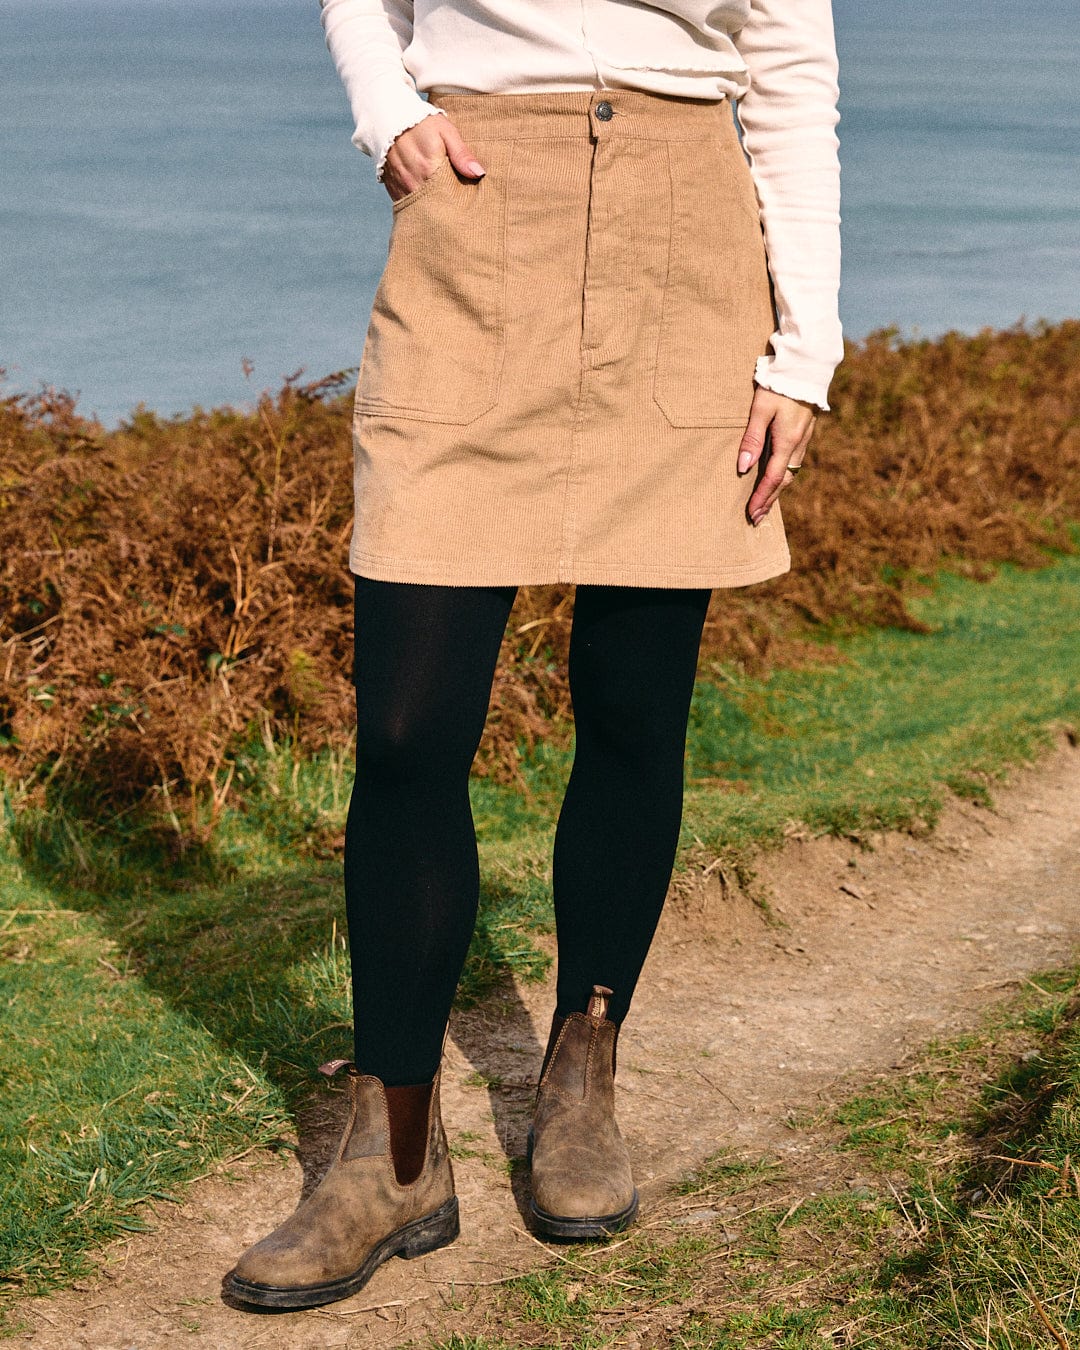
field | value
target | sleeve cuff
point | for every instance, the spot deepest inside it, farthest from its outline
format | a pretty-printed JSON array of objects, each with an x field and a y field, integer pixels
[
  {"x": 809, "y": 391},
  {"x": 408, "y": 116}
]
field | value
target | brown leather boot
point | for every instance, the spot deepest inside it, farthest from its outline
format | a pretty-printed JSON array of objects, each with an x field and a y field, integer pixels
[
  {"x": 582, "y": 1186},
  {"x": 360, "y": 1214}
]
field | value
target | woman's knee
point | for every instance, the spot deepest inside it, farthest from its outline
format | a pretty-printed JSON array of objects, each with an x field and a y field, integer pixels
[
  {"x": 633, "y": 657},
  {"x": 395, "y": 746},
  {"x": 645, "y": 726}
]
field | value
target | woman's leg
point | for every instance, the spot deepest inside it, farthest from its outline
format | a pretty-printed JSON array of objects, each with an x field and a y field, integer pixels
[
  {"x": 633, "y": 658},
  {"x": 425, "y": 658}
]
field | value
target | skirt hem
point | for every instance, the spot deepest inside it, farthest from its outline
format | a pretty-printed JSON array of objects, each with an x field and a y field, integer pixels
[{"x": 520, "y": 572}]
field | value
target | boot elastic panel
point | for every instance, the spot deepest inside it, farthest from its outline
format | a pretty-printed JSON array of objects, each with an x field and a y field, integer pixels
[{"x": 408, "y": 1108}]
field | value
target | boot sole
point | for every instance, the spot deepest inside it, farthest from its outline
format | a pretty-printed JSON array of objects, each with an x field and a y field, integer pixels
[
  {"x": 554, "y": 1225},
  {"x": 597, "y": 1226},
  {"x": 413, "y": 1239}
]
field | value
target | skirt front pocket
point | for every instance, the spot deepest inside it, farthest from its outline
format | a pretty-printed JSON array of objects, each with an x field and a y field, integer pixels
[
  {"x": 434, "y": 345},
  {"x": 717, "y": 310}
]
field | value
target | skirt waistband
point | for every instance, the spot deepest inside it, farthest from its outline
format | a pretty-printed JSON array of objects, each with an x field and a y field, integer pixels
[{"x": 585, "y": 113}]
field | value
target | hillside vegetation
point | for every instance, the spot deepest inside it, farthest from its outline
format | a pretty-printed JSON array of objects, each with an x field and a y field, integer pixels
[{"x": 178, "y": 587}]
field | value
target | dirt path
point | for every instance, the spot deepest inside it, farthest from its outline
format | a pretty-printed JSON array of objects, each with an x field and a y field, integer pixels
[{"x": 736, "y": 1024}]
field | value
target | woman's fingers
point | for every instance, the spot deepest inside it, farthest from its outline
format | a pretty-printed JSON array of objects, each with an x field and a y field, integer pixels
[
  {"x": 753, "y": 440},
  {"x": 417, "y": 152},
  {"x": 461, "y": 157},
  {"x": 413, "y": 157},
  {"x": 790, "y": 424},
  {"x": 776, "y": 477},
  {"x": 768, "y": 487}
]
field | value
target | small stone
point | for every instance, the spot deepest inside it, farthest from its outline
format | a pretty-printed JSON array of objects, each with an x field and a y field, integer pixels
[{"x": 697, "y": 1216}]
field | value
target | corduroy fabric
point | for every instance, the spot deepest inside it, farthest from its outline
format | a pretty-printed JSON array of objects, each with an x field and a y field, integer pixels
[{"x": 559, "y": 362}]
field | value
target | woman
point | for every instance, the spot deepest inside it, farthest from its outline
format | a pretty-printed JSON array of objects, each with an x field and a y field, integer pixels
[{"x": 575, "y": 371}]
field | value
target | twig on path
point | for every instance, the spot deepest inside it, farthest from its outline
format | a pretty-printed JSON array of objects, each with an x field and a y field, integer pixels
[
  {"x": 330, "y": 1026},
  {"x": 1062, "y": 1342},
  {"x": 476, "y": 1284},
  {"x": 238, "y": 1103},
  {"x": 715, "y": 1088},
  {"x": 903, "y": 1208},
  {"x": 371, "y": 1307},
  {"x": 1046, "y": 993},
  {"x": 20, "y": 913},
  {"x": 1020, "y": 1162},
  {"x": 224, "y": 1163},
  {"x": 612, "y": 1246},
  {"x": 566, "y": 1260},
  {"x": 636, "y": 1091}
]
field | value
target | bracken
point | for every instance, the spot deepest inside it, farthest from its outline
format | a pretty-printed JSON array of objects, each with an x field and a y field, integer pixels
[{"x": 169, "y": 588}]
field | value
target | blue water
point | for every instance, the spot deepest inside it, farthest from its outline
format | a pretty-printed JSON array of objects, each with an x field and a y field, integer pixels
[
  {"x": 960, "y": 163},
  {"x": 178, "y": 194}
]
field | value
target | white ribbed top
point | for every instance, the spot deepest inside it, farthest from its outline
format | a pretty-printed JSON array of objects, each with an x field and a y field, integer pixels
[{"x": 777, "y": 58}]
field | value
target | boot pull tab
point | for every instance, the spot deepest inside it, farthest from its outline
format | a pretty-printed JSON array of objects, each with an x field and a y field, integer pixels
[
  {"x": 598, "y": 1004},
  {"x": 332, "y": 1067}
]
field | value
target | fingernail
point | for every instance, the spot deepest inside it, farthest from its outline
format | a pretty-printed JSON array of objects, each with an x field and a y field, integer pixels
[
  {"x": 477, "y": 170},
  {"x": 744, "y": 461}
]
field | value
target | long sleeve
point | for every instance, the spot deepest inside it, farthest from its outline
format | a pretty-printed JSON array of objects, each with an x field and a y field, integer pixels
[
  {"x": 788, "y": 118},
  {"x": 367, "y": 39}
]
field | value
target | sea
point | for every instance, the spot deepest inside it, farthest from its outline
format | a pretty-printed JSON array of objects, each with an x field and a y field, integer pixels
[{"x": 184, "y": 221}]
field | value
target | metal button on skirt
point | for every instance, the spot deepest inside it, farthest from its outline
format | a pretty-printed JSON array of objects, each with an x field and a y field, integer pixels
[{"x": 559, "y": 362}]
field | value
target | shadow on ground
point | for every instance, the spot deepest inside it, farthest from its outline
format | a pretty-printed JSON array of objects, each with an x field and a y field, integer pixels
[{"x": 257, "y": 957}]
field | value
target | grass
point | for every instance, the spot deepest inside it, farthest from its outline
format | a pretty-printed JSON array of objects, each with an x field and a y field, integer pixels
[
  {"x": 111, "y": 1096},
  {"x": 951, "y": 1223},
  {"x": 873, "y": 742},
  {"x": 166, "y": 1012}
]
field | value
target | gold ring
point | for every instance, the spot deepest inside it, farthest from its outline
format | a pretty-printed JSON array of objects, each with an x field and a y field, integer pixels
[{"x": 794, "y": 468}]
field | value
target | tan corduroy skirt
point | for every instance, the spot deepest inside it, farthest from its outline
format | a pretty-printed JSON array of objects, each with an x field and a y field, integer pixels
[{"x": 559, "y": 363}]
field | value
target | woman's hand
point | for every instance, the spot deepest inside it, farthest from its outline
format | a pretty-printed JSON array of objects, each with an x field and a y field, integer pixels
[
  {"x": 790, "y": 424},
  {"x": 416, "y": 153}
]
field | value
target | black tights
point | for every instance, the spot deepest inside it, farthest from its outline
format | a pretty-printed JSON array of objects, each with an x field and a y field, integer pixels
[{"x": 425, "y": 657}]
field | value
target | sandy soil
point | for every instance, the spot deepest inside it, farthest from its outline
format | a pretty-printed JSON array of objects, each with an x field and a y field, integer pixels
[{"x": 737, "y": 1023}]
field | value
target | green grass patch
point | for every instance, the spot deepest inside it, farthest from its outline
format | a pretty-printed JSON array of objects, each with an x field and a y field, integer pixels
[
  {"x": 874, "y": 741},
  {"x": 136, "y": 971},
  {"x": 111, "y": 1096}
]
